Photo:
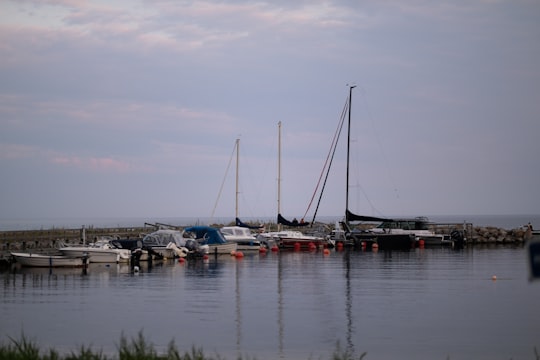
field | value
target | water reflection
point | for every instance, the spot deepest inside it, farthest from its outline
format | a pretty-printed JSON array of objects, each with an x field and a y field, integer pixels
[
  {"x": 348, "y": 303},
  {"x": 286, "y": 305}
]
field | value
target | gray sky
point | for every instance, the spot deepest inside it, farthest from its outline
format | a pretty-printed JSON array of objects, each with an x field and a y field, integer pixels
[{"x": 132, "y": 108}]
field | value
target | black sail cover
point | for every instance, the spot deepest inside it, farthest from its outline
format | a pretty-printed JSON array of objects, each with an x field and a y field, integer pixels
[
  {"x": 353, "y": 217},
  {"x": 281, "y": 220},
  {"x": 243, "y": 224}
]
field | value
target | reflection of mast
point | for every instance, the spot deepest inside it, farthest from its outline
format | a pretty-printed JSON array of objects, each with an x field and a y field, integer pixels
[
  {"x": 280, "y": 311},
  {"x": 238, "y": 315},
  {"x": 348, "y": 302}
]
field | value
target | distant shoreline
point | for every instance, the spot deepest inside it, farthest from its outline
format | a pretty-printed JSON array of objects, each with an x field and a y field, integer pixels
[{"x": 502, "y": 221}]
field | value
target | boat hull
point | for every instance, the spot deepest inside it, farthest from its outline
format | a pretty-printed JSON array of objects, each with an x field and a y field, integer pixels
[
  {"x": 301, "y": 244},
  {"x": 395, "y": 241},
  {"x": 98, "y": 255},
  {"x": 222, "y": 249},
  {"x": 39, "y": 260},
  {"x": 433, "y": 241}
]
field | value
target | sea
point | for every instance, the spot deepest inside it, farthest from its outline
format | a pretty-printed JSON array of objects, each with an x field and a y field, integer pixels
[
  {"x": 508, "y": 222},
  {"x": 434, "y": 303}
]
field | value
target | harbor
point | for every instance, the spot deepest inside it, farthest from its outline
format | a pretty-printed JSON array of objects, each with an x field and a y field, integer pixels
[{"x": 47, "y": 241}]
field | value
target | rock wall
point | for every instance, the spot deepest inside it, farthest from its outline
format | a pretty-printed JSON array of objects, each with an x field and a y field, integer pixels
[{"x": 494, "y": 235}]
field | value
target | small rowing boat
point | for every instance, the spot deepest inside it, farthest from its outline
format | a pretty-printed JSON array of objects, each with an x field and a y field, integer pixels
[{"x": 42, "y": 260}]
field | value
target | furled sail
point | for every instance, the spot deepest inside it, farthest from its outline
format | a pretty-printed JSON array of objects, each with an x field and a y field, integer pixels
[
  {"x": 281, "y": 220},
  {"x": 354, "y": 217},
  {"x": 243, "y": 224}
]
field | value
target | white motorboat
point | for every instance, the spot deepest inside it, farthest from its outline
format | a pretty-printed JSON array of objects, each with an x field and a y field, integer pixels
[
  {"x": 243, "y": 237},
  {"x": 42, "y": 260},
  {"x": 100, "y": 251},
  {"x": 293, "y": 239}
]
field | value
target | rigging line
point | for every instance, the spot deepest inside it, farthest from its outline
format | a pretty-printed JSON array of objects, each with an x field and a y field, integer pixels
[
  {"x": 326, "y": 163},
  {"x": 223, "y": 182},
  {"x": 379, "y": 142},
  {"x": 340, "y": 127}
]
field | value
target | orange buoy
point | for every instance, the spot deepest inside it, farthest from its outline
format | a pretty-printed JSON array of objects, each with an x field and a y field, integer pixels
[
  {"x": 375, "y": 246},
  {"x": 233, "y": 252},
  {"x": 239, "y": 254},
  {"x": 494, "y": 277},
  {"x": 326, "y": 252}
]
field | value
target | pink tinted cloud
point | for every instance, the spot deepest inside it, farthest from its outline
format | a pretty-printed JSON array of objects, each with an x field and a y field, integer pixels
[{"x": 105, "y": 164}]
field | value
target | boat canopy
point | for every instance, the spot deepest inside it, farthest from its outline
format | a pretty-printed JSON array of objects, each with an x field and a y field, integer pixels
[
  {"x": 281, "y": 220},
  {"x": 164, "y": 237},
  {"x": 130, "y": 244},
  {"x": 353, "y": 217},
  {"x": 206, "y": 235},
  {"x": 242, "y": 224}
]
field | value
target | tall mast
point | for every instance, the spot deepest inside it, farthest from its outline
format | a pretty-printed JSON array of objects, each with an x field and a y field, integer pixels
[
  {"x": 279, "y": 173},
  {"x": 237, "y": 166},
  {"x": 348, "y": 149}
]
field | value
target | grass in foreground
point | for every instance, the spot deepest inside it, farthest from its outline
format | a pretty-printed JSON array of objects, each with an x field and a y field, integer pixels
[{"x": 136, "y": 349}]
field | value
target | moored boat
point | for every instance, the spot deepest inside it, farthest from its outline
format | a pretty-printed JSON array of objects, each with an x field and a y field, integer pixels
[
  {"x": 243, "y": 237},
  {"x": 100, "y": 251},
  {"x": 43, "y": 260},
  {"x": 293, "y": 239},
  {"x": 168, "y": 243},
  {"x": 417, "y": 227},
  {"x": 240, "y": 233},
  {"x": 211, "y": 238}
]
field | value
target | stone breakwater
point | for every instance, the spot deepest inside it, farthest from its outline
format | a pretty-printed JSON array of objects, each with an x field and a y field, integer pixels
[
  {"x": 494, "y": 235},
  {"x": 486, "y": 234}
]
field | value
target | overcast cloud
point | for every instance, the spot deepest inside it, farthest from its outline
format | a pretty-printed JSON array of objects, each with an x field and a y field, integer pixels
[{"x": 132, "y": 108}]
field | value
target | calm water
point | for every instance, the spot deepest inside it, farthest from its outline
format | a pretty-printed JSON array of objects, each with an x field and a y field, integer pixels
[{"x": 422, "y": 304}]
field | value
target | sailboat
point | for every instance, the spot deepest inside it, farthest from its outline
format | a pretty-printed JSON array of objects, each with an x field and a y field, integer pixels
[
  {"x": 291, "y": 239},
  {"x": 384, "y": 240},
  {"x": 240, "y": 233}
]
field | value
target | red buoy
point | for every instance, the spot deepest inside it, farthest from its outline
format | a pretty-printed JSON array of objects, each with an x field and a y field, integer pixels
[
  {"x": 275, "y": 248},
  {"x": 239, "y": 254},
  {"x": 296, "y": 246}
]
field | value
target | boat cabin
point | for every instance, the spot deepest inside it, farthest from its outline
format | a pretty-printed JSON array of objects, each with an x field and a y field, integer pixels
[{"x": 419, "y": 223}]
